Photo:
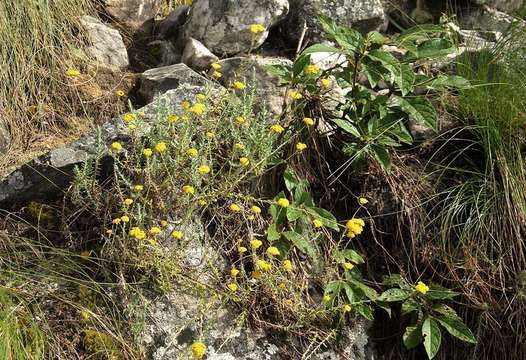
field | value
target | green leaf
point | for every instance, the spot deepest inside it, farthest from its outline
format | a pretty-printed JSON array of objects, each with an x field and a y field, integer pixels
[
  {"x": 368, "y": 291},
  {"x": 396, "y": 279},
  {"x": 409, "y": 38},
  {"x": 348, "y": 254},
  {"x": 405, "y": 79},
  {"x": 365, "y": 310},
  {"x": 432, "y": 48},
  {"x": 381, "y": 154},
  {"x": 457, "y": 328},
  {"x": 346, "y": 37},
  {"x": 351, "y": 294},
  {"x": 301, "y": 243},
  {"x": 452, "y": 81},
  {"x": 374, "y": 37},
  {"x": 432, "y": 337},
  {"x": 293, "y": 213},
  {"x": 300, "y": 64},
  {"x": 374, "y": 71},
  {"x": 409, "y": 306},
  {"x": 303, "y": 198},
  {"x": 291, "y": 180},
  {"x": 282, "y": 71},
  {"x": 347, "y": 127},
  {"x": 412, "y": 336},
  {"x": 272, "y": 233},
  {"x": 328, "y": 219},
  {"x": 437, "y": 292},
  {"x": 419, "y": 108},
  {"x": 317, "y": 48},
  {"x": 391, "y": 295},
  {"x": 385, "y": 307}
]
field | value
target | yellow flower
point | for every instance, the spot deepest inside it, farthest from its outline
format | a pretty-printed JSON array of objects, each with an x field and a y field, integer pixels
[
  {"x": 256, "y": 209},
  {"x": 116, "y": 146},
  {"x": 85, "y": 254},
  {"x": 137, "y": 233},
  {"x": 232, "y": 287},
  {"x": 238, "y": 85},
  {"x": 216, "y": 66},
  {"x": 282, "y": 286},
  {"x": 311, "y": 69},
  {"x": 263, "y": 265},
  {"x": 138, "y": 188},
  {"x": 363, "y": 201},
  {"x": 129, "y": 117},
  {"x": 255, "y": 244},
  {"x": 348, "y": 266},
  {"x": 347, "y": 308},
  {"x": 188, "y": 189},
  {"x": 317, "y": 223},
  {"x": 185, "y": 104},
  {"x": 154, "y": 230},
  {"x": 277, "y": 128},
  {"x": 234, "y": 208},
  {"x": 355, "y": 227},
  {"x": 177, "y": 234},
  {"x": 234, "y": 272},
  {"x": 164, "y": 223},
  {"x": 326, "y": 298},
  {"x": 120, "y": 93},
  {"x": 421, "y": 288},
  {"x": 295, "y": 95},
  {"x": 200, "y": 96},
  {"x": 325, "y": 83},
  {"x": 198, "y": 349},
  {"x": 210, "y": 135},
  {"x": 125, "y": 218},
  {"x": 242, "y": 249},
  {"x": 201, "y": 202},
  {"x": 204, "y": 169},
  {"x": 251, "y": 217},
  {"x": 132, "y": 126},
  {"x": 244, "y": 161},
  {"x": 239, "y": 146},
  {"x": 160, "y": 147},
  {"x": 287, "y": 265},
  {"x": 283, "y": 202},
  {"x": 198, "y": 109},
  {"x": 256, "y": 275},
  {"x": 116, "y": 221},
  {"x": 152, "y": 242},
  {"x": 273, "y": 251},
  {"x": 128, "y": 202},
  {"x": 256, "y": 28},
  {"x": 308, "y": 121},
  {"x": 192, "y": 152},
  {"x": 109, "y": 231},
  {"x": 241, "y": 119},
  {"x": 142, "y": 114},
  {"x": 72, "y": 72},
  {"x": 288, "y": 301},
  {"x": 147, "y": 152},
  {"x": 172, "y": 118},
  {"x": 216, "y": 74},
  {"x": 301, "y": 146}
]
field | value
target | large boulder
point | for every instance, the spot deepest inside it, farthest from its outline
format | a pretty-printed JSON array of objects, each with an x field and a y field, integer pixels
[
  {"x": 106, "y": 44},
  {"x": 133, "y": 13},
  {"x": 223, "y": 25},
  {"x": 362, "y": 15},
  {"x": 170, "y": 26},
  {"x": 508, "y": 6},
  {"x": 486, "y": 19},
  {"x": 197, "y": 56}
]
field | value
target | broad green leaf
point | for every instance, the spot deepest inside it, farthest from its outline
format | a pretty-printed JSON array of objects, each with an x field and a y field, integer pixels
[
  {"x": 452, "y": 81},
  {"x": 300, "y": 64},
  {"x": 409, "y": 38},
  {"x": 365, "y": 310},
  {"x": 437, "y": 292},
  {"x": 291, "y": 180},
  {"x": 432, "y": 48},
  {"x": 282, "y": 71},
  {"x": 368, "y": 291},
  {"x": 395, "y": 294},
  {"x": 446, "y": 311},
  {"x": 374, "y": 37},
  {"x": 347, "y": 127},
  {"x": 419, "y": 108},
  {"x": 432, "y": 337},
  {"x": 293, "y": 213},
  {"x": 272, "y": 233},
  {"x": 328, "y": 219},
  {"x": 317, "y": 48},
  {"x": 333, "y": 287},
  {"x": 348, "y": 254},
  {"x": 396, "y": 279},
  {"x": 351, "y": 294},
  {"x": 301, "y": 243},
  {"x": 409, "y": 306},
  {"x": 385, "y": 307},
  {"x": 457, "y": 328},
  {"x": 405, "y": 79},
  {"x": 346, "y": 37},
  {"x": 303, "y": 198},
  {"x": 381, "y": 154},
  {"x": 412, "y": 336},
  {"x": 374, "y": 71}
]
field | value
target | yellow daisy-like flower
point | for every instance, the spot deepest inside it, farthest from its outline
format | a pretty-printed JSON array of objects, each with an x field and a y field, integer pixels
[
  {"x": 242, "y": 249},
  {"x": 163, "y": 223},
  {"x": 128, "y": 202},
  {"x": 192, "y": 152},
  {"x": 177, "y": 234},
  {"x": 234, "y": 208},
  {"x": 147, "y": 152},
  {"x": 287, "y": 265},
  {"x": 251, "y": 217},
  {"x": 116, "y": 146},
  {"x": 256, "y": 28},
  {"x": 204, "y": 169},
  {"x": 301, "y": 146},
  {"x": 198, "y": 349},
  {"x": 277, "y": 128},
  {"x": 185, "y": 104},
  {"x": 137, "y": 233},
  {"x": 129, "y": 117},
  {"x": 326, "y": 298},
  {"x": 210, "y": 135},
  {"x": 282, "y": 286},
  {"x": 347, "y": 308},
  {"x": 325, "y": 83},
  {"x": 241, "y": 119},
  {"x": 238, "y": 85},
  {"x": 283, "y": 202},
  {"x": 120, "y": 93},
  {"x": 317, "y": 223},
  {"x": 232, "y": 287},
  {"x": 132, "y": 126},
  {"x": 188, "y": 189},
  {"x": 216, "y": 66},
  {"x": 256, "y": 209},
  {"x": 256, "y": 244},
  {"x": 160, "y": 147},
  {"x": 363, "y": 201},
  {"x": 216, "y": 74},
  {"x": 263, "y": 265},
  {"x": 273, "y": 251},
  {"x": 354, "y": 227},
  {"x": 142, "y": 114},
  {"x": 234, "y": 272},
  {"x": 244, "y": 161},
  {"x": 125, "y": 219},
  {"x": 308, "y": 121},
  {"x": 256, "y": 275},
  {"x": 198, "y": 109},
  {"x": 138, "y": 187},
  {"x": 109, "y": 231},
  {"x": 72, "y": 73},
  {"x": 311, "y": 69},
  {"x": 239, "y": 146},
  {"x": 200, "y": 96},
  {"x": 116, "y": 221},
  {"x": 421, "y": 288},
  {"x": 348, "y": 266},
  {"x": 201, "y": 202},
  {"x": 295, "y": 95},
  {"x": 172, "y": 118},
  {"x": 154, "y": 230}
]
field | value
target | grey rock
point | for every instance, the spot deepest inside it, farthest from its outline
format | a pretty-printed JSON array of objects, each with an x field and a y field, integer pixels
[
  {"x": 486, "y": 19},
  {"x": 157, "y": 81},
  {"x": 251, "y": 71},
  {"x": 5, "y": 137},
  {"x": 362, "y": 15},
  {"x": 508, "y": 6},
  {"x": 106, "y": 44},
  {"x": 164, "y": 53},
  {"x": 197, "y": 56},
  {"x": 223, "y": 25},
  {"x": 133, "y": 13},
  {"x": 169, "y": 27}
]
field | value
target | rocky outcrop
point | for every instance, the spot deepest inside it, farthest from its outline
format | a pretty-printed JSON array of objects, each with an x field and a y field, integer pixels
[
  {"x": 133, "y": 13},
  {"x": 197, "y": 56},
  {"x": 170, "y": 26},
  {"x": 106, "y": 44},
  {"x": 508, "y": 6},
  {"x": 362, "y": 15},
  {"x": 223, "y": 25}
]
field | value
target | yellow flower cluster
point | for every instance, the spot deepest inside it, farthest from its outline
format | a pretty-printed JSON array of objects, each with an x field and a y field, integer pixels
[
  {"x": 354, "y": 227},
  {"x": 244, "y": 161},
  {"x": 192, "y": 152},
  {"x": 256, "y": 244},
  {"x": 363, "y": 201},
  {"x": 147, "y": 152},
  {"x": 295, "y": 95},
  {"x": 283, "y": 202},
  {"x": 198, "y": 108},
  {"x": 137, "y": 233},
  {"x": 421, "y": 288},
  {"x": 301, "y": 146},
  {"x": 198, "y": 349},
  {"x": 273, "y": 251},
  {"x": 277, "y": 128},
  {"x": 256, "y": 28},
  {"x": 308, "y": 121},
  {"x": 160, "y": 147},
  {"x": 177, "y": 234},
  {"x": 326, "y": 83},
  {"x": 204, "y": 169},
  {"x": 238, "y": 85},
  {"x": 119, "y": 93},
  {"x": 234, "y": 208},
  {"x": 72, "y": 72},
  {"x": 287, "y": 265},
  {"x": 116, "y": 146},
  {"x": 263, "y": 265},
  {"x": 311, "y": 69},
  {"x": 188, "y": 189},
  {"x": 129, "y": 117},
  {"x": 317, "y": 223}
]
